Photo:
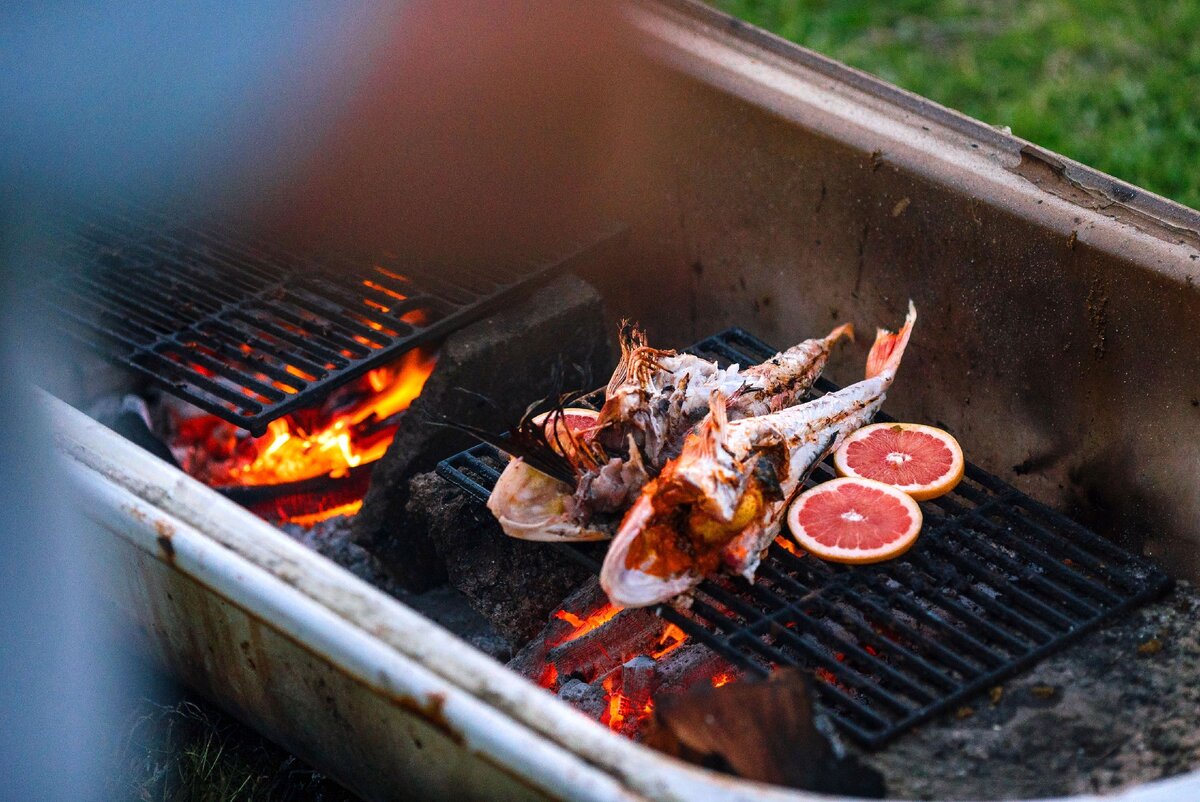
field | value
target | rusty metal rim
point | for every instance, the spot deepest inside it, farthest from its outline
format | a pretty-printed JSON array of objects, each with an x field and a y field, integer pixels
[{"x": 258, "y": 562}]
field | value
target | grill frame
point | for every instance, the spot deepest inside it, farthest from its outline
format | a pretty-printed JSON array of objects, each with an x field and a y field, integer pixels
[
  {"x": 995, "y": 604},
  {"x": 226, "y": 321}
]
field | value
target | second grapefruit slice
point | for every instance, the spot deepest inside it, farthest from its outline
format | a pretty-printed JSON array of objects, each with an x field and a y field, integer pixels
[{"x": 855, "y": 520}]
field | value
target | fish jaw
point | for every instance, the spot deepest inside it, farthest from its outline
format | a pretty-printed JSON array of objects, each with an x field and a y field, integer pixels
[
  {"x": 530, "y": 505},
  {"x": 632, "y": 587}
]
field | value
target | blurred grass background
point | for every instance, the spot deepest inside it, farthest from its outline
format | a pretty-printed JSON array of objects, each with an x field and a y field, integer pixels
[{"x": 1114, "y": 84}]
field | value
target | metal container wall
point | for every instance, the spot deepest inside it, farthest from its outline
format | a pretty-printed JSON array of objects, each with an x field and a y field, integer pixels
[{"x": 1058, "y": 336}]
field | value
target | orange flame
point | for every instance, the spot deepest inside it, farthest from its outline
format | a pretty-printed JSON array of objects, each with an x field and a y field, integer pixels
[
  {"x": 288, "y": 453},
  {"x": 789, "y": 546},
  {"x": 349, "y": 508},
  {"x": 724, "y": 678}
]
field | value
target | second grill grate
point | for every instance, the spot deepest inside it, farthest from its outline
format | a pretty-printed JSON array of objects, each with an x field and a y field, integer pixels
[{"x": 248, "y": 332}]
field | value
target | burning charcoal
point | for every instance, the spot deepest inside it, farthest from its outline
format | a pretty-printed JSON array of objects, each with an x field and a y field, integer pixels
[
  {"x": 639, "y": 679},
  {"x": 588, "y": 699},
  {"x": 694, "y": 664},
  {"x": 761, "y": 731},
  {"x": 486, "y": 375},
  {"x": 585, "y": 608},
  {"x": 629, "y": 691},
  {"x": 530, "y": 662},
  {"x": 630, "y": 633}
]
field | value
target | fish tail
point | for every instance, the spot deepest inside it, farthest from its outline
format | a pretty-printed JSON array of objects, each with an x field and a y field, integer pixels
[{"x": 889, "y": 348}]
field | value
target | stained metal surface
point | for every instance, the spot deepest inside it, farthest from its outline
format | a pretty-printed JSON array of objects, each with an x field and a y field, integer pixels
[
  {"x": 995, "y": 583},
  {"x": 249, "y": 332}
]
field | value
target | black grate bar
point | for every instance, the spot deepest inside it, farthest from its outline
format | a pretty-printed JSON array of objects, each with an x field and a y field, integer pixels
[
  {"x": 871, "y": 609},
  {"x": 858, "y": 625},
  {"x": 249, "y": 332},
  {"x": 996, "y": 582}
]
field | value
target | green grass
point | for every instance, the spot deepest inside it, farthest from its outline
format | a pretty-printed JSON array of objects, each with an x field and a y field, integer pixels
[{"x": 1114, "y": 84}]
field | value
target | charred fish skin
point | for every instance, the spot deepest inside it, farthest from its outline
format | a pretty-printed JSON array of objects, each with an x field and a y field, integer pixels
[
  {"x": 659, "y": 396},
  {"x": 653, "y": 398},
  {"x": 656, "y": 398},
  {"x": 710, "y": 506}
]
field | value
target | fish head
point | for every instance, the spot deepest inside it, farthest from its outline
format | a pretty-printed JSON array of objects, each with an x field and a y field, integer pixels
[{"x": 670, "y": 539}]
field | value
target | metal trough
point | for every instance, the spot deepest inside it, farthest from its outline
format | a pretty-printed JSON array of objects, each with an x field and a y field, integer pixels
[{"x": 1064, "y": 302}]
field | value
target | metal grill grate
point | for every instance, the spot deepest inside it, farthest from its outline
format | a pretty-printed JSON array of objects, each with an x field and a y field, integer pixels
[
  {"x": 995, "y": 583},
  {"x": 248, "y": 332}
]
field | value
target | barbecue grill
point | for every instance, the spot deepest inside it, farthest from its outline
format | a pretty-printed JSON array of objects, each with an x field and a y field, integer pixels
[{"x": 1060, "y": 339}]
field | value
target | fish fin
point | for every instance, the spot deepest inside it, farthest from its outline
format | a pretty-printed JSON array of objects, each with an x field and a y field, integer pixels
[
  {"x": 889, "y": 348},
  {"x": 531, "y": 441},
  {"x": 845, "y": 330},
  {"x": 632, "y": 340},
  {"x": 711, "y": 430}
]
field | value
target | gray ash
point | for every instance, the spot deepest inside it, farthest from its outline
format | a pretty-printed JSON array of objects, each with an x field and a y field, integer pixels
[
  {"x": 1120, "y": 707},
  {"x": 444, "y": 605}
]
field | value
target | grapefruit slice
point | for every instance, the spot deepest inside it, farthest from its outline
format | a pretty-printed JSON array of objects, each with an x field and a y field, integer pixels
[
  {"x": 923, "y": 461},
  {"x": 854, "y": 520},
  {"x": 573, "y": 419}
]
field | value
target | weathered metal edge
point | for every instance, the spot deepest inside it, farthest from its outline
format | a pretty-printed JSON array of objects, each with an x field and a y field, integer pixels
[
  {"x": 918, "y": 135},
  {"x": 391, "y": 647}
]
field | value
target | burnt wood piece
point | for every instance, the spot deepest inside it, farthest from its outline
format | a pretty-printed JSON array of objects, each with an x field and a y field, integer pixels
[
  {"x": 585, "y": 601},
  {"x": 486, "y": 375},
  {"x": 693, "y": 664},
  {"x": 514, "y": 584},
  {"x": 630, "y": 633},
  {"x": 637, "y": 681},
  {"x": 761, "y": 731}
]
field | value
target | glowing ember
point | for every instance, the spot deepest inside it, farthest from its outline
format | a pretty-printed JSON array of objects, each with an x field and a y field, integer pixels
[
  {"x": 585, "y": 625},
  {"x": 614, "y": 716},
  {"x": 672, "y": 638},
  {"x": 788, "y": 545},
  {"x": 825, "y": 675},
  {"x": 549, "y": 677},
  {"x": 724, "y": 678},
  {"x": 349, "y": 508}
]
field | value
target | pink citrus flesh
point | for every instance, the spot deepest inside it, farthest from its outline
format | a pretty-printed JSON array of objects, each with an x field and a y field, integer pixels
[
  {"x": 923, "y": 461},
  {"x": 853, "y": 520},
  {"x": 575, "y": 419}
]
